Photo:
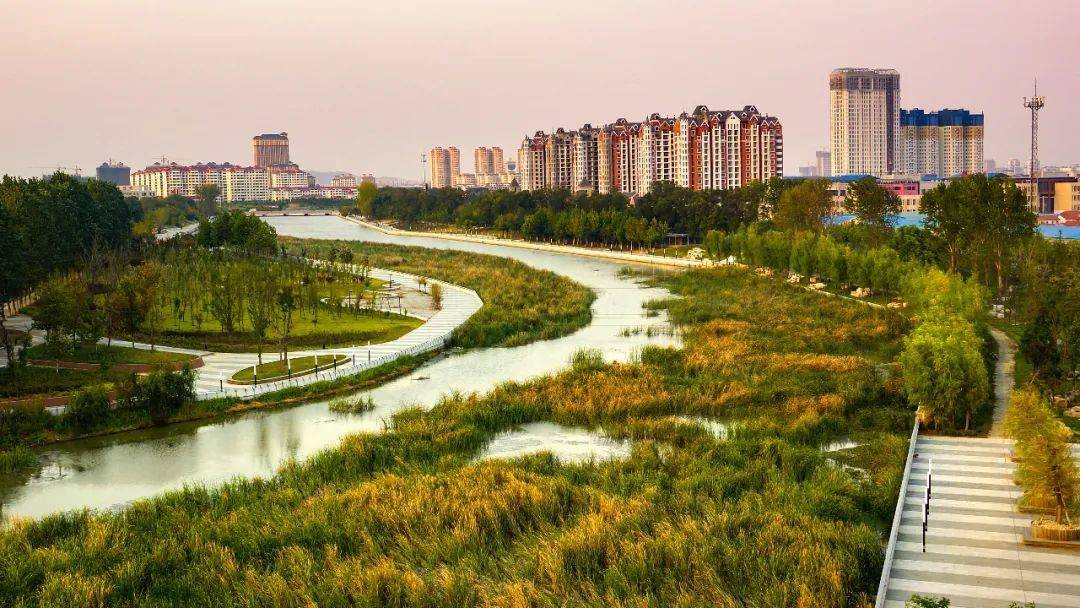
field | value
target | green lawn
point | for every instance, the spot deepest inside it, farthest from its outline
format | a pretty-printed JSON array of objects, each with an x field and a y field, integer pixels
[
  {"x": 110, "y": 355},
  {"x": 276, "y": 370}
]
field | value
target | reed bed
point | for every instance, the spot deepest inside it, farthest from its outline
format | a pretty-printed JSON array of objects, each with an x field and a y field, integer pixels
[{"x": 759, "y": 516}]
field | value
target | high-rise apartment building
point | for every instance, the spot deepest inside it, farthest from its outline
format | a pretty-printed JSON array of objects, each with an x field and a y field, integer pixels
[
  {"x": 824, "y": 163},
  {"x": 115, "y": 173},
  {"x": 864, "y": 120},
  {"x": 483, "y": 160},
  {"x": 943, "y": 143},
  {"x": 584, "y": 167},
  {"x": 270, "y": 149},
  {"x": 455, "y": 163},
  {"x": 441, "y": 169},
  {"x": 498, "y": 165},
  {"x": 700, "y": 150},
  {"x": 559, "y": 159}
]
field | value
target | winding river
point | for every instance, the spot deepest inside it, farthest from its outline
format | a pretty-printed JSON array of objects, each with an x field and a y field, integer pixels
[{"x": 111, "y": 471}]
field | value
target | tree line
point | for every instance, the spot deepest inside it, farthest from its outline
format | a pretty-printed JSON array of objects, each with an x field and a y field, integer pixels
[{"x": 565, "y": 215}]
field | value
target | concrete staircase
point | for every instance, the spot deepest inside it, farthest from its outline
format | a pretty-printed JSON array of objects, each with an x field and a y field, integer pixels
[{"x": 974, "y": 552}]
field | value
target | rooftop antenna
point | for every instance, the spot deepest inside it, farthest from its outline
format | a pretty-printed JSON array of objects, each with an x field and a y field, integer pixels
[{"x": 1035, "y": 103}]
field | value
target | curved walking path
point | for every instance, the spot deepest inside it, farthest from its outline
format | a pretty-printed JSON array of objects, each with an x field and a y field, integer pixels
[
  {"x": 458, "y": 304},
  {"x": 1004, "y": 379}
]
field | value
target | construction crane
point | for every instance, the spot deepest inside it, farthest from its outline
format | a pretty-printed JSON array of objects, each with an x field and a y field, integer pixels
[{"x": 76, "y": 171}]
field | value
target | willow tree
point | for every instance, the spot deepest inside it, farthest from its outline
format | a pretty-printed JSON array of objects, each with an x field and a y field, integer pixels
[{"x": 943, "y": 370}]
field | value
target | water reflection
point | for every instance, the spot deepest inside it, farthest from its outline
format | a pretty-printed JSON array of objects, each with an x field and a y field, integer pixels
[
  {"x": 109, "y": 471},
  {"x": 569, "y": 444}
]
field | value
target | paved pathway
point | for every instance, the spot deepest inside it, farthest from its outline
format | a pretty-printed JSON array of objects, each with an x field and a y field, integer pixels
[
  {"x": 458, "y": 304},
  {"x": 974, "y": 554},
  {"x": 1004, "y": 379}
]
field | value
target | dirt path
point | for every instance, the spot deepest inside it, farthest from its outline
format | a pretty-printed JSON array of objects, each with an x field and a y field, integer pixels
[{"x": 1004, "y": 379}]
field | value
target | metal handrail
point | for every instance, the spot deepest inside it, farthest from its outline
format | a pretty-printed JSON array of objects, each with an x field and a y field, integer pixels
[{"x": 886, "y": 568}]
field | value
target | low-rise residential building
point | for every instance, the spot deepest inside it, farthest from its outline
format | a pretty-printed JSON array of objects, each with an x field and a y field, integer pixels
[
  {"x": 1066, "y": 196},
  {"x": 236, "y": 184},
  {"x": 343, "y": 180},
  {"x": 1047, "y": 189}
]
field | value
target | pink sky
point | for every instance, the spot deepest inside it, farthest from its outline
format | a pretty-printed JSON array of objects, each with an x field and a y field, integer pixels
[{"x": 367, "y": 85}]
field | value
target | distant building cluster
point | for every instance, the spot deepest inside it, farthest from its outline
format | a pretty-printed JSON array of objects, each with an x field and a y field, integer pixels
[
  {"x": 704, "y": 149},
  {"x": 271, "y": 177},
  {"x": 871, "y": 134},
  {"x": 821, "y": 168},
  {"x": 490, "y": 170}
]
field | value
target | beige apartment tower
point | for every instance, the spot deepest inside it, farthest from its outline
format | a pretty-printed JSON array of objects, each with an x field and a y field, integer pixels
[
  {"x": 483, "y": 159},
  {"x": 270, "y": 149},
  {"x": 441, "y": 176},
  {"x": 455, "y": 163},
  {"x": 864, "y": 120}
]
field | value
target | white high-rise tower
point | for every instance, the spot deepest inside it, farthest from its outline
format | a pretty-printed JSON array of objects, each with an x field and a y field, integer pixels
[{"x": 864, "y": 120}]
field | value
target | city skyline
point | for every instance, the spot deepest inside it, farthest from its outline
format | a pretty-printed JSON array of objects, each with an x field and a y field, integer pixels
[{"x": 417, "y": 63}]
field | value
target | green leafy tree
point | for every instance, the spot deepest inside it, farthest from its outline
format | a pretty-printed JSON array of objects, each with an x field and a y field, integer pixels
[
  {"x": 365, "y": 198},
  {"x": 950, "y": 219},
  {"x": 1007, "y": 221},
  {"x": 1045, "y": 468},
  {"x": 943, "y": 372},
  {"x": 933, "y": 293},
  {"x": 163, "y": 393},
  {"x": 1041, "y": 347},
  {"x": 262, "y": 286},
  {"x": 806, "y": 206},
  {"x": 12, "y": 277},
  {"x": 208, "y": 194},
  {"x": 874, "y": 206},
  {"x": 87, "y": 408},
  {"x": 286, "y": 301}
]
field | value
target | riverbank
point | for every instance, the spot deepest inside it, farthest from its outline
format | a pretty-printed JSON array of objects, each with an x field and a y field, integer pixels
[
  {"x": 607, "y": 254},
  {"x": 50, "y": 429}
]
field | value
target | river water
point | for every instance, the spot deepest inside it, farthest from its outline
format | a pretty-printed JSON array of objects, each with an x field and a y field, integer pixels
[{"x": 112, "y": 471}]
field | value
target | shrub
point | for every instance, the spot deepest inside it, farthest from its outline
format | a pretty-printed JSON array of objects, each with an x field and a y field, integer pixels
[
  {"x": 1046, "y": 469},
  {"x": 87, "y": 408},
  {"x": 163, "y": 393}
]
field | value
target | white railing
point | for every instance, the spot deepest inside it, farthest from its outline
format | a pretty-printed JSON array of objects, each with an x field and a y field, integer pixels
[
  {"x": 883, "y": 586},
  {"x": 355, "y": 366}
]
